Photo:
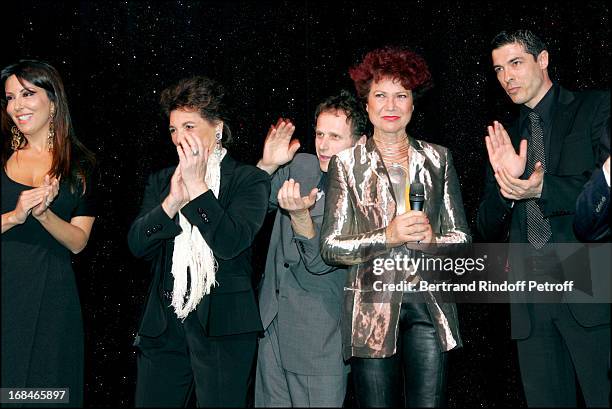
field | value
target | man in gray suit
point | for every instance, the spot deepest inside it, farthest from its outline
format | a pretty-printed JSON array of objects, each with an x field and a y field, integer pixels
[{"x": 299, "y": 361}]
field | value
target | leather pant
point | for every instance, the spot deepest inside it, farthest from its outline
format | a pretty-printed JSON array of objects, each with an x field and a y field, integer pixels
[{"x": 416, "y": 375}]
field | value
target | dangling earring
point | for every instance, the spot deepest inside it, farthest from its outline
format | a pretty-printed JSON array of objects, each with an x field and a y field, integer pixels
[
  {"x": 218, "y": 137},
  {"x": 17, "y": 138},
  {"x": 51, "y": 130}
]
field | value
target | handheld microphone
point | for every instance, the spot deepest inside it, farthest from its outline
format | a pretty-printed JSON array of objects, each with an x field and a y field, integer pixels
[{"x": 417, "y": 195}]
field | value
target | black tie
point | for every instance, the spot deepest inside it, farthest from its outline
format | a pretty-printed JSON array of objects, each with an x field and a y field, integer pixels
[{"x": 538, "y": 228}]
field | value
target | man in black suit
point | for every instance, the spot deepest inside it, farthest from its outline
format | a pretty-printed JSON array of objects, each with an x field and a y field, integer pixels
[
  {"x": 530, "y": 198},
  {"x": 592, "y": 207}
]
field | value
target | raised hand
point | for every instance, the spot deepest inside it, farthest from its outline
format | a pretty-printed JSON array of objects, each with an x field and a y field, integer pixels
[
  {"x": 290, "y": 199},
  {"x": 278, "y": 147},
  {"x": 502, "y": 153},
  {"x": 178, "y": 195},
  {"x": 411, "y": 228},
  {"x": 193, "y": 159}
]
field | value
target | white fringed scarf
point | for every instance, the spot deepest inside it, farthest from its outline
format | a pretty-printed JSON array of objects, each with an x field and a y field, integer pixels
[{"x": 192, "y": 256}]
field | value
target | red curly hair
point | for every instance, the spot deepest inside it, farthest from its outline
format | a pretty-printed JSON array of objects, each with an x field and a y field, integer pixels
[{"x": 391, "y": 62}]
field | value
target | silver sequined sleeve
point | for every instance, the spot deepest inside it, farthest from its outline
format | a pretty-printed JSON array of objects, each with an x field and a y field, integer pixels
[
  {"x": 453, "y": 224},
  {"x": 340, "y": 245}
]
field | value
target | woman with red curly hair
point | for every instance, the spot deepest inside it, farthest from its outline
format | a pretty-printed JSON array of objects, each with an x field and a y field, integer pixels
[{"x": 395, "y": 333}]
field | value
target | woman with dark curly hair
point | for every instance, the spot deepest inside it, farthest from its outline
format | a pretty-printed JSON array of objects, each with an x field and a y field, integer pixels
[
  {"x": 397, "y": 340},
  {"x": 196, "y": 224},
  {"x": 48, "y": 210}
]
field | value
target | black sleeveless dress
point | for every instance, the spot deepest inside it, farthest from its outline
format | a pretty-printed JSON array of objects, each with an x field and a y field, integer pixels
[{"x": 42, "y": 329}]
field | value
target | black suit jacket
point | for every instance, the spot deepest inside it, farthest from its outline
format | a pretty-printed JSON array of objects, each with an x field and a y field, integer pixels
[
  {"x": 592, "y": 207},
  {"x": 576, "y": 128},
  {"x": 228, "y": 224}
]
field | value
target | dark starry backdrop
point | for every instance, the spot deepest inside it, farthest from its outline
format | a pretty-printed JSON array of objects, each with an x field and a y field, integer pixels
[{"x": 279, "y": 59}]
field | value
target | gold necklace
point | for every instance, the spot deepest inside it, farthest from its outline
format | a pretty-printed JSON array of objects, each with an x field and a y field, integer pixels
[{"x": 393, "y": 152}]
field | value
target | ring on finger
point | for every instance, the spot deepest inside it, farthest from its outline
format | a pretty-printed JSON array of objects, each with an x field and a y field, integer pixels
[{"x": 195, "y": 152}]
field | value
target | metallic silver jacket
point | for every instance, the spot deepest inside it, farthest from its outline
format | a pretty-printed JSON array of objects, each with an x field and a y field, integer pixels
[{"x": 359, "y": 206}]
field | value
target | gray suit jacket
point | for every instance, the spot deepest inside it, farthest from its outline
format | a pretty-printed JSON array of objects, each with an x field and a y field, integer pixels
[{"x": 308, "y": 303}]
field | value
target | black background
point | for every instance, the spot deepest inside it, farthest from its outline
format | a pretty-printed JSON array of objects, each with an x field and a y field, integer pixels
[{"x": 279, "y": 59}]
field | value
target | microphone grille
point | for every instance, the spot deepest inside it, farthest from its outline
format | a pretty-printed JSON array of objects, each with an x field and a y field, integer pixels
[{"x": 417, "y": 189}]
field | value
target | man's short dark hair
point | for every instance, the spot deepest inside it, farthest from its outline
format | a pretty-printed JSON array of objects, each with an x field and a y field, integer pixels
[
  {"x": 531, "y": 43},
  {"x": 346, "y": 103}
]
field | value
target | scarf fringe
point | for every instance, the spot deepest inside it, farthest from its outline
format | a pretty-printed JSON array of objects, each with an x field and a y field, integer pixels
[{"x": 193, "y": 262}]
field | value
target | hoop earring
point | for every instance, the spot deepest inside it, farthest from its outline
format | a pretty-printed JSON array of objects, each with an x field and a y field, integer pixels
[
  {"x": 17, "y": 138},
  {"x": 218, "y": 137},
  {"x": 51, "y": 136}
]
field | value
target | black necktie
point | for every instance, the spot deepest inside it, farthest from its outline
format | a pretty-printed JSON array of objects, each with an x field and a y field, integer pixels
[{"x": 538, "y": 228}]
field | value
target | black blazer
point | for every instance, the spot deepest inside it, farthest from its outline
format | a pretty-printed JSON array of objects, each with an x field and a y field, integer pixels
[
  {"x": 228, "y": 224},
  {"x": 592, "y": 207},
  {"x": 577, "y": 125}
]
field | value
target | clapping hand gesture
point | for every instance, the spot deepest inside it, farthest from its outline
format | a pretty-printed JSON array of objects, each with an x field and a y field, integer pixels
[
  {"x": 502, "y": 153},
  {"x": 36, "y": 197},
  {"x": 290, "y": 199},
  {"x": 278, "y": 147},
  {"x": 178, "y": 196},
  {"x": 193, "y": 159},
  {"x": 298, "y": 207},
  {"x": 50, "y": 190},
  {"x": 518, "y": 189}
]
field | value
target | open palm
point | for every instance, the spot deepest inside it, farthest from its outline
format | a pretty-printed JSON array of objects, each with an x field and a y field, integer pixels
[
  {"x": 278, "y": 147},
  {"x": 502, "y": 153}
]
